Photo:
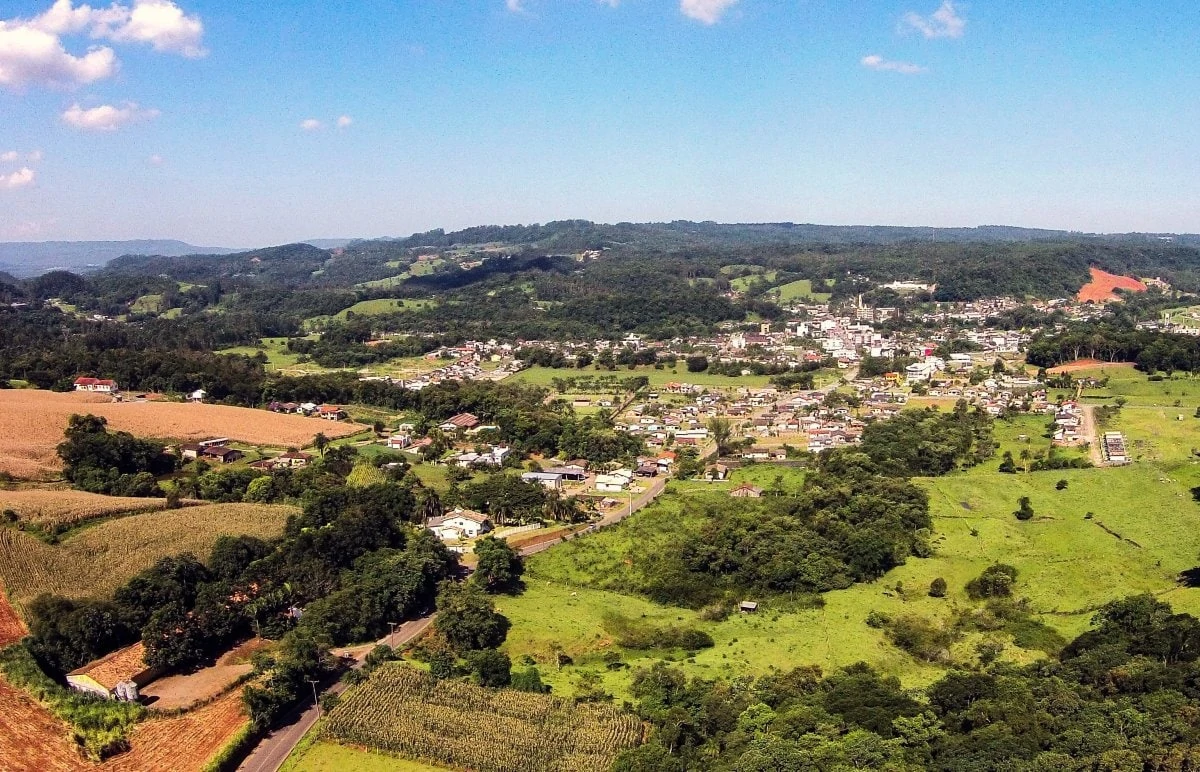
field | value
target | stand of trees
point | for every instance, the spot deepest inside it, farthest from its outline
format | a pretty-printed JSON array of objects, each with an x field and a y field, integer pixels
[{"x": 1121, "y": 696}]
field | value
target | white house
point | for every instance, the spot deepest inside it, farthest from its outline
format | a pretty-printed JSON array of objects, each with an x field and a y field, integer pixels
[
  {"x": 550, "y": 480},
  {"x": 614, "y": 482},
  {"x": 459, "y": 524},
  {"x": 102, "y": 385},
  {"x": 399, "y": 441}
]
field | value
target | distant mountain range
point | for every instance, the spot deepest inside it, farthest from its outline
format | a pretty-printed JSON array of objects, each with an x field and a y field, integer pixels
[
  {"x": 31, "y": 258},
  {"x": 25, "y": 259}
]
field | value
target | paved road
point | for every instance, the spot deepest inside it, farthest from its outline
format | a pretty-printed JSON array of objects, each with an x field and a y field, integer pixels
[{"x": 274, "y": 749}]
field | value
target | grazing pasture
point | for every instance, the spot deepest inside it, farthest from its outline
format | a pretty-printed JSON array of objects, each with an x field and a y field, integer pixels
[
  {"x": 405, "y": 711},
  {"x": 97, "y": 560},
  {"x": 32, "y": 424}
]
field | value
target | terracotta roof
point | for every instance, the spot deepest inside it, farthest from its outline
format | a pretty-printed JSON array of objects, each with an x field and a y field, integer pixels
[{"x": 112, "y": 669}]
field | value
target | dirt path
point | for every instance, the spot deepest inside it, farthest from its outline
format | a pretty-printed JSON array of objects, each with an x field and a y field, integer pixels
[{"x": 1091, "y": 434}]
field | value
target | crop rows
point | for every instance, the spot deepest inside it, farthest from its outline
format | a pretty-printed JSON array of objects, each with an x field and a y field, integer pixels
[
  {"x": 51, "y": 509},
  {"x": 97, "y": 560},
  {"x": 405, "y": 711}
]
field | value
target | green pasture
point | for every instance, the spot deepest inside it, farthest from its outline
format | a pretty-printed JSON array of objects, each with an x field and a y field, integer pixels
[
  {"x": 544, "y": 376},
  {"x": 1143, "y": 531},
  {"x": 326, "y": 756},
  {"x": 799, "y": 290}
]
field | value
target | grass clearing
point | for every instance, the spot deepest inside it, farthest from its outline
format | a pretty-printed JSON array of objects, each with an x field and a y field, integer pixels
[
  {"x": 325, "y": 756},
  {"x": 802, "y": 289},
  {"x": 544, "y": 376}
]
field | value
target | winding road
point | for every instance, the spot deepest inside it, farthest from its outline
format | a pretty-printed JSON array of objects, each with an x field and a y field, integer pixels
[{"x": 272, "y": 751}]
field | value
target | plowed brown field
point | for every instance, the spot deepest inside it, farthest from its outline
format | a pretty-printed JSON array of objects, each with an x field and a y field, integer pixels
[{"x": 32, "y": 424}]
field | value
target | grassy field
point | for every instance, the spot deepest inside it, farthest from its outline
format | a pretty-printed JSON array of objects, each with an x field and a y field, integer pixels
[
  {"x": 799, "y": 290},
  {"x": 326, "y": 756},
  {"x": 1143, "y": 530},
  {"x": 95, "y": 560}
]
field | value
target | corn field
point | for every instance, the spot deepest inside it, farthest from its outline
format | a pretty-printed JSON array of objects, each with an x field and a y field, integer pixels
[
  {"x": 405, "y": 711},
  {"x": 97, "y": 560},
  {"x": 53, "y": 509}
]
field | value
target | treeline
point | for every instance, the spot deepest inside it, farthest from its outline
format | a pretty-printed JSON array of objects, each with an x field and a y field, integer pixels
[
  {"x": 846, "y": 524},
  {"x": 1123, "y": 695},
  {"x": 929, "y": 443},
  {"x": 1114, "y": 341}
]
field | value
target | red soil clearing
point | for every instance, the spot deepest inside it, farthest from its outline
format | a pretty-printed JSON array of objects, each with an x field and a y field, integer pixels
[
  {"x": 1086, "y": 364},
  {"x": 1100, "y": 288}
]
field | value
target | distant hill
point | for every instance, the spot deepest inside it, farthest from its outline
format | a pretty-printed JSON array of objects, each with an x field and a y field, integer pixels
[{"x": 31, "y": 258}]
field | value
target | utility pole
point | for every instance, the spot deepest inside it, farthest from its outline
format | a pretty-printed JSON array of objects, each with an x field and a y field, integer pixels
[
  {"x": 317, "y": 702},
  {"x": 392, "y": 635}
]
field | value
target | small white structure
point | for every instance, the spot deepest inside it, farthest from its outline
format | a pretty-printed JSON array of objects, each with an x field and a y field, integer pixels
[
  {"x": 549, "y": 480},
  {"x": 199, "y": 395},
  {"x": 101, "y": 385}
]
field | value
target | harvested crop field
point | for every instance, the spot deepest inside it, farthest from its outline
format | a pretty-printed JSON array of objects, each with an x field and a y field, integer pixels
[
  {"x": 31, "y": 738},
  {"x": 97, "y": 560},
  {"x": 32, "y": 424},
  {"x": 12, "y": 629},
  {"x": 1100, "y": 288},
  {"x": 183, "y": 742},
  {"x": 49, "y": 508}
]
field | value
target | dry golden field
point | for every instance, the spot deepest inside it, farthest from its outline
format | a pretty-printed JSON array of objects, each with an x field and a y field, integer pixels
[
  {"x": 97, "y": 560},
  {"x": 32, "y": 424},
  {"x": 48, "y": 508}
]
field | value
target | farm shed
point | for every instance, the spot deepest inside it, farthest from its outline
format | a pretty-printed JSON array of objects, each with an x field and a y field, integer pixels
[{"x": 118, "y": 675}]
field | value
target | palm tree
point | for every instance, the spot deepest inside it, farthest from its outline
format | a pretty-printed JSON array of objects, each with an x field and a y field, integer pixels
[
  {"x": 431, "y": 507},
  {"x": 320, "y": 442}
]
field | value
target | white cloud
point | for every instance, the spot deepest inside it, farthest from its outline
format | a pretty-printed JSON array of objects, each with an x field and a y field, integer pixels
[
  {"x": 32, "y": 51},
  {"x": 344, "y": 121},
  {"x": 705, "y": 11},
  {"x": 610, "y": 3},
  {"x": 310, "y": 124},
  {"x": 945, "y": 22},
  {"x": 9, "y": 156},
  {"x": 106, "y": 117},
  {"x": 163, "y": 25},
  {"x": 155, "y": 160},
  {"x": 35, "y": 156},
  {"x": 17, "y": 179},
  {"x": 31, "y": 56},
  {"x": 877, "y": 62},
  {"x": 515, "y": 6}
]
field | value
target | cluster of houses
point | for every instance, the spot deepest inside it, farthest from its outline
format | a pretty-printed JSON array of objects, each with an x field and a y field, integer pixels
[
  {"x": 98, "y": 385},
  {"x": 216, "y": 450},
  {"x": 311, "y": 409},
  {"x": 1068, "y": 423}
]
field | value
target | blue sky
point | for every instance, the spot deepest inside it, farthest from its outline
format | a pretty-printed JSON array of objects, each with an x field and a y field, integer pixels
[{"x": 914, "y": 112}]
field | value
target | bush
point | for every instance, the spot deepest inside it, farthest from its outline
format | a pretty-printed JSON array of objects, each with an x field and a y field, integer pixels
[
  {"x": 937, "y": 588},
  {"x": 996, "y": 581},
  {"x": 529, "y": 680},
  {"x": 1061, "y": 485},
  {"x": 1024, "y": 509}
]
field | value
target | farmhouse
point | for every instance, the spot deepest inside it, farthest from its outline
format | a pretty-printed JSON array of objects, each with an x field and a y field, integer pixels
[
  {"x": 399, "y": 441},
  {"x": 459, "y": 524},
  {"x": 116, "y": 676},
  {"x": 615, "y": 482},
  {"x": 746, "y": 491},
  {"x": 494, "y": 457},
  {"x": 549, "y": 480},
  {"x": 572, "y": 472},
  {"x": 331, "y": 413},
  {"x": 102, "y": 385},
  {"x": 221, "y": 453},
  {"x": 462, "y": 421}
]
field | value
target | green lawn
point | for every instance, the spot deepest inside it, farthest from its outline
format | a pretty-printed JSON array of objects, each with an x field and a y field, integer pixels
[
  {"x": 325, "y": 756},
  {"x": 799, "y": 290}
]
